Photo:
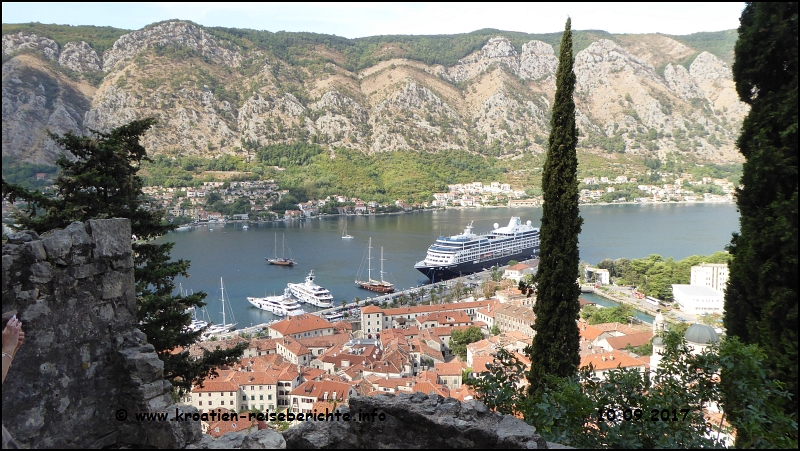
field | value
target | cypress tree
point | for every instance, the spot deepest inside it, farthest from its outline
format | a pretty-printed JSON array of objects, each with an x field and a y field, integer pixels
[
  {"x": 101, "y": 182},
  {"x": 555, "y": 347},
  {"x": 761, "y": 297}
]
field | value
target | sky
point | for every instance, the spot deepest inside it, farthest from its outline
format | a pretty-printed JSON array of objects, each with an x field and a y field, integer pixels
[{"x": 355, "y": 20}]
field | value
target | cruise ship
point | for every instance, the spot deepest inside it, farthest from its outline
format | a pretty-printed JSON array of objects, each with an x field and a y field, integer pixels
[
  {"x": 310, "y": 292},
  {"x": 278, "y": 305},
  {"x": 467, "y": 252}
]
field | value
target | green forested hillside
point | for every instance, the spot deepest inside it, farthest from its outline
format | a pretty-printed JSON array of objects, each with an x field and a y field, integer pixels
[
  {"x": 100, "y": 38},
  {"x": 411, "y": 176}
]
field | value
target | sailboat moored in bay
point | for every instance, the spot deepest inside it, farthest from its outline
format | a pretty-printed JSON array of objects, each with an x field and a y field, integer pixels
[
  {"x": 374, "y": 285},
  {"x": 282, "y": 260}
]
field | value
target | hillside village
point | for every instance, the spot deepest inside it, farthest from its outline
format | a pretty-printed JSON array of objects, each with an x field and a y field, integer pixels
[{"x": 256, "y": 200}]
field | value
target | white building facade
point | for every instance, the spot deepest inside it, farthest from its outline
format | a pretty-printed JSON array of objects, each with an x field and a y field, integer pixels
[
  {"x": 712, "y": 275},
  {"x": 698, "y": 300}
]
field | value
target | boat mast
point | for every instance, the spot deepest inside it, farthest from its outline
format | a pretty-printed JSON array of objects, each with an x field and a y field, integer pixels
[
  {"x": 283, "y": 245},
  {"x": 275, "y": 245},
  {"x": 222, "y": 288},
  {"x": 369, "y": 261},
  {"x": 382, "y": 282}
]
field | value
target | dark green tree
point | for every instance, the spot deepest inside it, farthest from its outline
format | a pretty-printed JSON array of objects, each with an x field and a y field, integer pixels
[
  {"x": 459, "y": 339},
  {"x": 555, "y": 348},
  {"x": 761, "y": 297},
  {"x": 101, "y": 182}
]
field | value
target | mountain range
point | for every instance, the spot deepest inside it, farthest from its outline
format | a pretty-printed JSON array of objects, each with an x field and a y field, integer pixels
[{"x": 222, "y": 91}]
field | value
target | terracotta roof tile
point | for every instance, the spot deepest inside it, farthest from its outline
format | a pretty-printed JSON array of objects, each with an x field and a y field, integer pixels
[
  {"x": 632, "y": 339},
  {"x": 619, "y": 360},
  {"x": 449, "y": 369},
  {"x": 301, "y": 324}
]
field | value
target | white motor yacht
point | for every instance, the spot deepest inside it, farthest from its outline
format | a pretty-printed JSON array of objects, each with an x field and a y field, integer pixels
[
  {"x": 278, "y": 305},
  {"x": 311, "y": 293}
]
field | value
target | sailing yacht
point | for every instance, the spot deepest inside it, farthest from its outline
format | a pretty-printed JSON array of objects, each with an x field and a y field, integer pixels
[
  {"x": 225, "y": 327},
  {"x": 373, "y": 285},
  {"x": 282, "y": 260},
  {"x": 345, "y": 236}
]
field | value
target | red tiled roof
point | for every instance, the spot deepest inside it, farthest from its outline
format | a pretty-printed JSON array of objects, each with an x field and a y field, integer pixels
[
  {"x": 255, "y": 378},
  {"x": 632, "y": 339},
  {"x": 449, "y": 369},
  {"x": 300, "y": 324},
  {"x": 317, "y": 389},
  {"x": 619, "y": 360},
  {"x": 216, "y": 385}
]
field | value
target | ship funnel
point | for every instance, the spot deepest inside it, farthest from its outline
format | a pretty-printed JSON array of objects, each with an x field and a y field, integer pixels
[
  {"x": 528, "y": 223},
  {"x": 496, "y": 225}
]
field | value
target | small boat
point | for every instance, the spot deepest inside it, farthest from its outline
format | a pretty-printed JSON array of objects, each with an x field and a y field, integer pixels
[
  {"x": 183, "y": 228},
  {"x": 373, "y": 285},
  {"x": 345, "y": 236},
  {"x": 245, "y": 227},
  {"x": 282, "y": 260},
  {"x": 278, "y": 305}
]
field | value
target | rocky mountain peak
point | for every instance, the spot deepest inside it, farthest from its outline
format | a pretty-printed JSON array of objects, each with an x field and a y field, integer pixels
[
  {"x": 708, "y": 68},
  {"x": 173, "y": 33},
  {"x": 21, "y": 41},
  {"x": 80, "y": 57},
  {"x": 498, "y": 47}
]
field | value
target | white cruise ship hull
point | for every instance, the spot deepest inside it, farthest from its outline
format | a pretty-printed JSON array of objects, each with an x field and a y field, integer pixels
[{"x": 468, "y": 253}]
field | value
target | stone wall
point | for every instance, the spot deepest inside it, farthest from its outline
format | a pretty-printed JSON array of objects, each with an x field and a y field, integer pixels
[
  {"x": 84, "y": 358},
  {"x": 416, "y": 421}
]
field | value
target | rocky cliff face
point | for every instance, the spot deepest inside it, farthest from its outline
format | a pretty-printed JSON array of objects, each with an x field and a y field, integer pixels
[{"x": 212, "y": 97}]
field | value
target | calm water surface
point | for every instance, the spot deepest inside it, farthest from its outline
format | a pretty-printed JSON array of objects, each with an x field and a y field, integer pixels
[{"x": 237, "y": 255}]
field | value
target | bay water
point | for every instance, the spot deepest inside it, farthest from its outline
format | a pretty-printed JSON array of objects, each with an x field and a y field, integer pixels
[{"x": 237, "y": 256}]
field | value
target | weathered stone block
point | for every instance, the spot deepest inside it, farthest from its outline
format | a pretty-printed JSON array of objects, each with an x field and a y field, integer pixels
[{"x": 112, "y": 237}]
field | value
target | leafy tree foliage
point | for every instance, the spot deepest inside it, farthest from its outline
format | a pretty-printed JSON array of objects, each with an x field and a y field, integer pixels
[
  {"x": 24, "y": 174},
  {"x": 554, "y": 350},
  {"x": 761, "y": 298},
  {"x": 567, "y": 411},
  {"x": 459, "y": 339},
  {"x": 655, "y": 275},
  {"x": 618, "y": 314},
  {"x": 101, "y": 182}
]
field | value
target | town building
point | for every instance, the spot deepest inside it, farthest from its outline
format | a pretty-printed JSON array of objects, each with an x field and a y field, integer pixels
[
  {"x": 305, "y": 396},
  {"x": 518, "y": 271},
  {"x": 712, "y": 275},
  {"x": 374, "y": 319},
  {"x": 603, "y": 362},
  {"x": 698, "y": 300},
  {"x": 514, "y": 317},
  {"x": 301, "y": 326}
]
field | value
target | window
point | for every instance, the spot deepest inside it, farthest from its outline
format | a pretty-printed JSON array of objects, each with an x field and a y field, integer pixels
[
  {"x": 260, "y": 387},
  {"x": 210, "y": 402},
  {"x": 201, "y": 403},
  {"x": 269, "y": 397},
  {"x": 244, "y": 398},
  {"x": 252, "y": 387},
  {"x": 231, "y": 393},
  {"x": 261, "y": 397},
  {"x": 253, "y": 398}
]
